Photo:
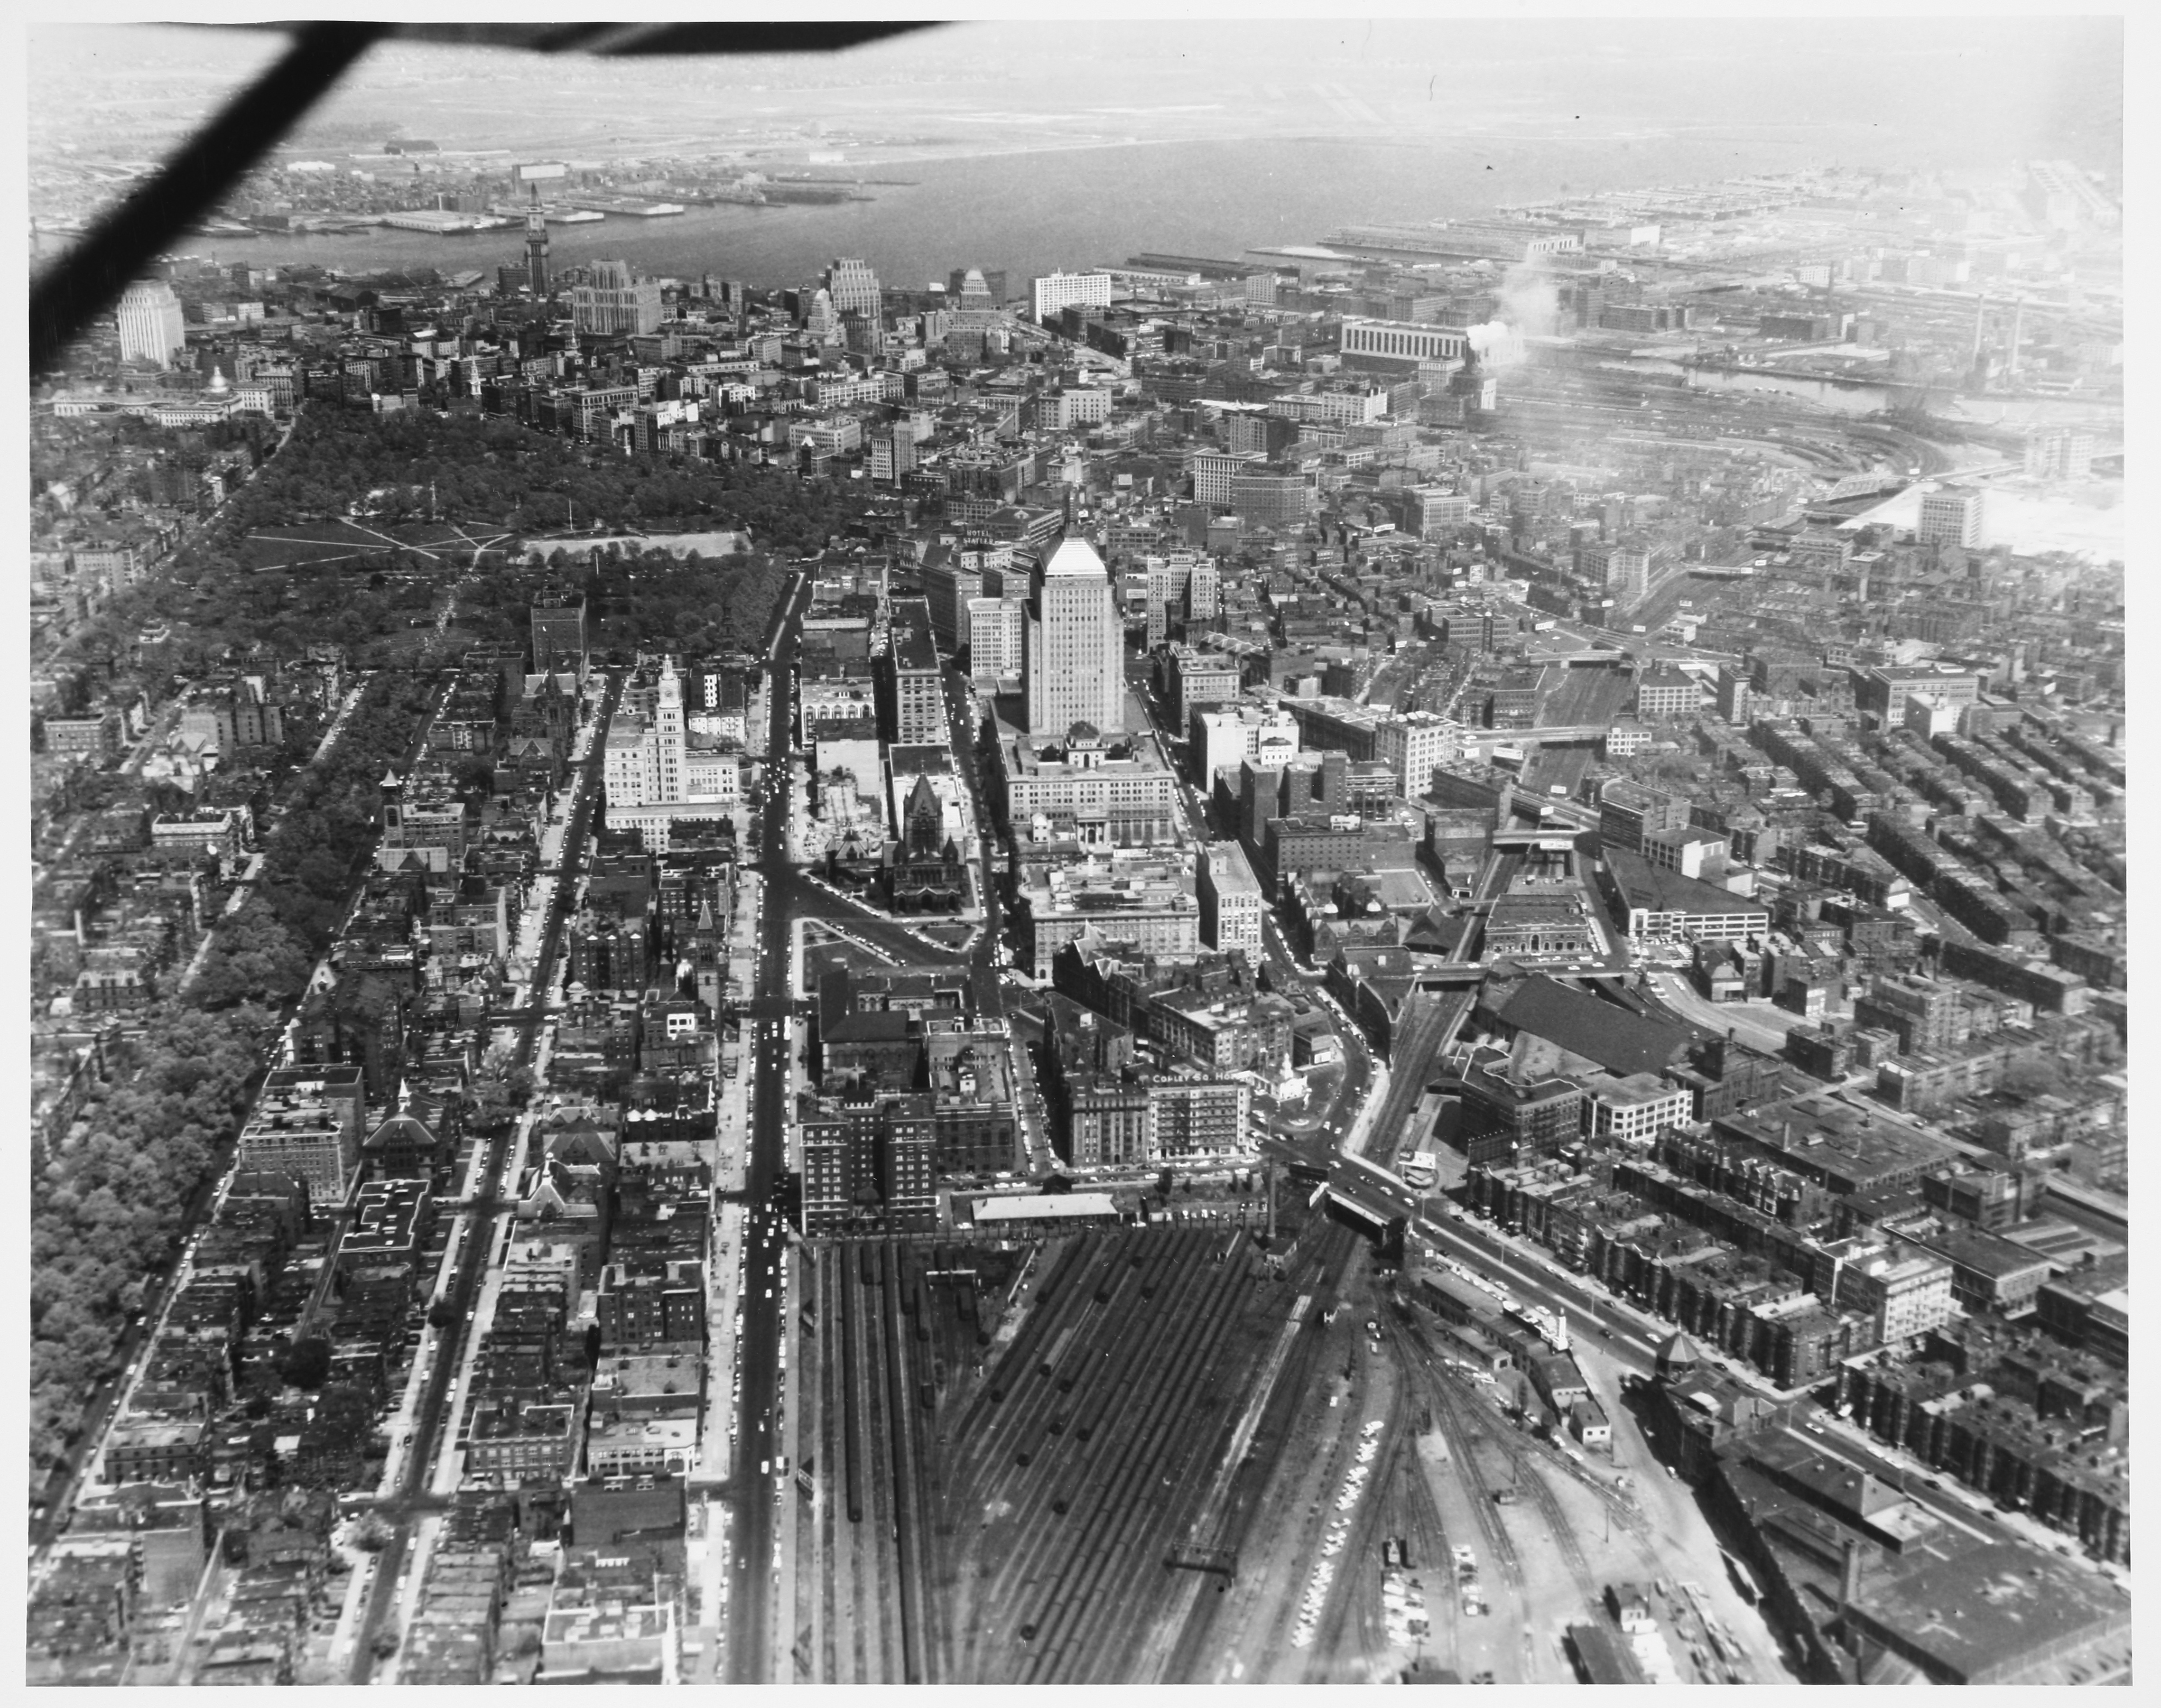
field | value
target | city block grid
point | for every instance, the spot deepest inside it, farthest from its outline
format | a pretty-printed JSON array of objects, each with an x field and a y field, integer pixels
[{"x": 1384, "y": 960}]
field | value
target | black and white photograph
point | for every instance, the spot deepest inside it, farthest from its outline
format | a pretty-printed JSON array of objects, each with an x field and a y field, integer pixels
[{"x": 1208, "y": 849}]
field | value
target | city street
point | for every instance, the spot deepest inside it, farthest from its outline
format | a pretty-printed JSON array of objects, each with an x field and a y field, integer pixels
[
  {"x": 1115, "y": 1072},
  {"x": 433, "y": 1456},
  {"x": 1758, "y": 1025},
  {"x": 751, "y": 1653}
]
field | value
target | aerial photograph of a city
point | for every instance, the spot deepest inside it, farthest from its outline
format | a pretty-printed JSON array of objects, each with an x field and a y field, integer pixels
[{"x": 1238, "y": 851}]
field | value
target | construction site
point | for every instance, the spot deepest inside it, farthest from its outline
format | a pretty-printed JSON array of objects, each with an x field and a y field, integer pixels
[{"x": 1181, "y": 1454}]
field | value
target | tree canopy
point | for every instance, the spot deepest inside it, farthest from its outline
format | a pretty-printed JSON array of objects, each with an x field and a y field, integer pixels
[
  {"x": 493, "y": 473},
  {"x": 110, "y": 1199}
]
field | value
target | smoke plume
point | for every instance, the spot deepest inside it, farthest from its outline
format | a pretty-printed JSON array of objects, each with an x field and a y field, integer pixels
[
  {"x": 1530, "y": 307},
  {"x": 1529, "y": 303},
  {"x": 1498, "y": 344}
]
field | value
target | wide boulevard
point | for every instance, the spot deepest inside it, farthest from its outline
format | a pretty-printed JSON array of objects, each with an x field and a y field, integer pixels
[{"x": 787, "y": 897}]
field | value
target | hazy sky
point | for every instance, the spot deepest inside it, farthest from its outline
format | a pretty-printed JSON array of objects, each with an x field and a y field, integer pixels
[{"x": 1985, "y": 88}]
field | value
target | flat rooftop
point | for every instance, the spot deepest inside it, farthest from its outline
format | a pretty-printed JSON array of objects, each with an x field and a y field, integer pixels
[
  {"x": 1816, "y": 1130},
  {"x": 1046, "y": 1206},
  {"x": 1984, "y": 1606},
  {"x": 1663, "y": 890}
]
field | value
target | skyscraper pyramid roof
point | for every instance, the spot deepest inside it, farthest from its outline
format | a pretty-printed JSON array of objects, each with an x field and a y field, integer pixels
[{"x": 1075, "y": 556}]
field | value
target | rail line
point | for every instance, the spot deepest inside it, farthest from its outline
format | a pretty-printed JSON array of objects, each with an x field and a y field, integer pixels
[
  {"x": 1453, "y": 1407},
  {"x": 901, "y": 1431},
  {"x": 1342, "y": 1604},
  {"x": 1040, "y": 1586},
  {"x": 1117, "y": 1275},
  {"x": 1154, "y": 1526},
  {"x": 1076, "y": 1607},
  {"x": 1462, "y": 1430}
]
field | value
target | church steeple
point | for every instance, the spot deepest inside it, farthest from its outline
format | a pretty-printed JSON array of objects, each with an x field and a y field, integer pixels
[{"x": 926, "y": 822}]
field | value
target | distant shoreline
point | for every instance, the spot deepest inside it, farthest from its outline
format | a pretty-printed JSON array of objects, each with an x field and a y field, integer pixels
[{"x": 1028, "y": 204}]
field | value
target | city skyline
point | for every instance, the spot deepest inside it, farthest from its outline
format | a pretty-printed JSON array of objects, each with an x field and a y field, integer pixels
[{"x": 1065, "y": 855}]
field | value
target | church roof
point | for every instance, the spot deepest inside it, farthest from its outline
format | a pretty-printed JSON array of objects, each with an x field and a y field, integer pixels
[{"x": 400, "y": 1129}]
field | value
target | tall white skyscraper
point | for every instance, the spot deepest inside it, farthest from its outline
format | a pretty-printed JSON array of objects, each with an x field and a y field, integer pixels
[
  {"x": 1075, "y": 645},
  {"x": 616, "y": 302},
  {"x": 2059, "y": 454},
  {"x": 854, "y": 288},
  {"x": 1055, "y": 290},
  {"x": 665, "y": 747},
  {"x": 997, "y": 639},
  {"x": 658, "y": 772},
  {"x": 1951, "y": 516},
  {"x": 152, "y": 328}
]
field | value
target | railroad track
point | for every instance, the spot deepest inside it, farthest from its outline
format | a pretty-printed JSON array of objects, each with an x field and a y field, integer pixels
[
  {"x": 1363, "y": 1613},
  {"x": 1455, "y": 1407},
  {"x": 1186, "y": 1426},
  {"x": 1344, "y": 1605},
  {"x": 813, "y": 1425},
  {"x": 1035, "y": 1476},
  {"x": 1451, "y": 1411},
  {"x": 1297, "y": 1539},
  {"x": 1273, "y": 1337},
  {"x": 996, "y": 1430},
  {"x": 876, "y": 1470},
  {"x": 1076, "y": 1465},
  {"x": 1564, "y": 1532},
  {"x": 1272, "y": 1509},
  {"x": 1105, "y": 1465},
  {"x": 902, "y": 1434},
  {"x": 863, "y": 1497},
  {"x": 1423, "y": 1527}
]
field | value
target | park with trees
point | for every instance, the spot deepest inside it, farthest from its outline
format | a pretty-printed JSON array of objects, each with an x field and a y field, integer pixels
[
  {"x": 356, "y": 529},
  {"x": 491, "y": 474},
  {"x": 110, "y": 1203},
  {"x": 111, "y": 1199}
]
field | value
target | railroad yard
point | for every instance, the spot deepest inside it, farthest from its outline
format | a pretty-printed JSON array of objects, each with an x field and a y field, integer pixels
[{"x": 1168, "y": 1455}]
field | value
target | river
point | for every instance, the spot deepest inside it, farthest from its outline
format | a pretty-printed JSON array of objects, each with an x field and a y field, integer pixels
[
  {"x": 1844, "y": 396},
  {"x": 1033, "y": 212},
  {"x": 1867, "y": 397}
]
